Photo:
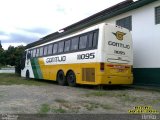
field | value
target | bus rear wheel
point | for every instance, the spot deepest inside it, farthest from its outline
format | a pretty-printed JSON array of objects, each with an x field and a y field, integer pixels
[
  {"x": 71, "y": 79},
  {"x": 61, "y": 79}
]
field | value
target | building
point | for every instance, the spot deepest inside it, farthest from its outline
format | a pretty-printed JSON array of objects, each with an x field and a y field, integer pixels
[{"x": 142, "y": 18}]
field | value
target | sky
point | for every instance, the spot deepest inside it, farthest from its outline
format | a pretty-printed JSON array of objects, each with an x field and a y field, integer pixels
[{"x": 26, "y": 21}]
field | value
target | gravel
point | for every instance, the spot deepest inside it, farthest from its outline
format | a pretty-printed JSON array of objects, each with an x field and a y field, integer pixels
[{"x": 63, "y": 99}]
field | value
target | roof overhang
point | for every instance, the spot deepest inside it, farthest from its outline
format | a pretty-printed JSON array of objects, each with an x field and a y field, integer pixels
[{"x": 113, "y": 11}]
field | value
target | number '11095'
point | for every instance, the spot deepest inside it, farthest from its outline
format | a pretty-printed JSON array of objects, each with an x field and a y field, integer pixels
[{"x": 86, "y": 56}]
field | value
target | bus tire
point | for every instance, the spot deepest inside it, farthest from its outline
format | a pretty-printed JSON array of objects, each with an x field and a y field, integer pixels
[
  {"x": 61, "y": 79},
  {"x": 27, "y": 74},
  {"x": 71, "y": 78}
]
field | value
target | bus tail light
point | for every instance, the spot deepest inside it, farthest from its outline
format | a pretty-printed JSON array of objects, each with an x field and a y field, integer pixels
[
  {"x": 102, "y": 66},
  {"x": 131, "y": 69},
  {"x": 110, "y": 65}
]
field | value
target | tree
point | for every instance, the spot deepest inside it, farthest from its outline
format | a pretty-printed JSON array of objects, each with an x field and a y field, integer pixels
[
  {"x": 10, "y": 56},
  {"x": 1, "y": 48},
  {"x": 2, "y": 55},
  {"x": 18, "y": 53}
]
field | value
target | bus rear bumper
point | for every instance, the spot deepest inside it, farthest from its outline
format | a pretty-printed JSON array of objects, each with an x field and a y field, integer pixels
[{"x": 116, "y": 80}]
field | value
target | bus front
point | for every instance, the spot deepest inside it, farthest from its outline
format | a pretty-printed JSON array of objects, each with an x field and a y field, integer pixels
[{"x": 117, "y": 56}]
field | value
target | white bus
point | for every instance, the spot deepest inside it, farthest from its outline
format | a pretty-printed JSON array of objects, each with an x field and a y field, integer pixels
[{"x": 98, "y": 55}]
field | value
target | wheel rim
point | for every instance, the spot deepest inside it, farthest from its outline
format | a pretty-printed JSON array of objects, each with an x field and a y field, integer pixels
[
  {"x": 71, "y": 78},
  {"x": 61, "y": 77}
]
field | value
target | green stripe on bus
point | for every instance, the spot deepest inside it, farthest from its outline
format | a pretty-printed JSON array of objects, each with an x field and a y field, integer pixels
[{"x": 36, "y": 68}]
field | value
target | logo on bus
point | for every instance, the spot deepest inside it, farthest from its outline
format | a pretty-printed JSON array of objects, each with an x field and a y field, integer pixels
[{"x": 119, "y": 35}]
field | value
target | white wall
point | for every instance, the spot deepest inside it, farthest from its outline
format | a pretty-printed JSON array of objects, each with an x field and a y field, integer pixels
[{"x": 145, "y": 34}]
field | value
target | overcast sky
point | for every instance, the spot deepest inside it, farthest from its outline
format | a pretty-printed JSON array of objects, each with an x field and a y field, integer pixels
[{"x": 25, "y": 21}]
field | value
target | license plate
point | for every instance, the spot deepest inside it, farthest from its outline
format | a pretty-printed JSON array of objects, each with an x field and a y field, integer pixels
[{"x": 120, "y": 70}]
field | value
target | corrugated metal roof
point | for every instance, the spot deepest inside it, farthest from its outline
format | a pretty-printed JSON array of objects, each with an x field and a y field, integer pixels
[{"x": 110, "y": 12}]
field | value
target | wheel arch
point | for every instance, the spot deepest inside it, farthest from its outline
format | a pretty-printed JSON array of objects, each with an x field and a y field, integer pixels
[
  {"x": 58, "y": 72},
  {"x": 69, "y": 71}
]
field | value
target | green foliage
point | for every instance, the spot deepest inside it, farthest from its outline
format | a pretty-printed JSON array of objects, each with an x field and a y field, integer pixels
[
  {"x": 45, "y": 108},
  {"x": 60, "y": 100},
  {"x": 96, "y": 93},
  {"x": 58, "y": 110},
  {"x": 18, "y": 52},
  {"x": 2, "y": 56},
  {"x": 14, "y": 79},
  {"x": 12, "y": 57}
]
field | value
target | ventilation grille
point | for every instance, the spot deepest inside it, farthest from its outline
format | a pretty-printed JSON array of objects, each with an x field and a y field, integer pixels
[{"x": 88, "y": 74}]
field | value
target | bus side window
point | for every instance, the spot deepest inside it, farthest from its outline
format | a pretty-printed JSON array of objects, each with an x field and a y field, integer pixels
[
  {"x": 29, "y": 55},
  {"x": 45, "y": 50},
  {"x": 37, "y": 54},
  {"x": 34, "y": 52},
  {"x": 60, "y": 46},
  {"x": 67, "y": 45},
  {"x": 55, "y": 48},
  {"x": 83, "y": 42},
  {"x": 95, "y": 39},
  {"x": 74, "y": 44},
  {"x": 90, "y": 40},
  {"x": 50, "y": 48},
  {"x": 41, "y": 51}
]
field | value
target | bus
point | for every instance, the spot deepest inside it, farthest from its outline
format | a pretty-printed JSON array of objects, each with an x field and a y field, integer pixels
[{"x": 98, "y": 55}]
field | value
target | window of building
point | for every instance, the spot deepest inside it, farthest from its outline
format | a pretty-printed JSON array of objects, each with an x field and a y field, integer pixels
[
  {"x": 45, "y": 50},
  {"x": 55, "y": 48},
  {"x": 74, "y": 43},
  {"x": 41, "y": 51},
  {"x": 67, "y": 45},
  {"x": 125, "y": 22},
  {"x": 60, "y": 46},
  {"x": 157, "y": 15},
  {"x": 83, "y": 42},
  {"x": 50, "y": 48}
]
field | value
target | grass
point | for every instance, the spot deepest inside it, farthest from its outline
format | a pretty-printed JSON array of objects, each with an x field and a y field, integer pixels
[
  {"x": 14, "y": 79},
  {"x": 45, "y": 108},
  {"x": 60, "y": 100},
  {"x": 92, "y": 105},
  {"x": 97, "y": 93},
  {"x": 58, "y": 110},
  {"x": 106, "y": 107}
]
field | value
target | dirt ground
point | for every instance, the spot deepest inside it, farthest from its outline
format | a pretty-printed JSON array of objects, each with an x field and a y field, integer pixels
[{"x": 53, "y": 98}]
